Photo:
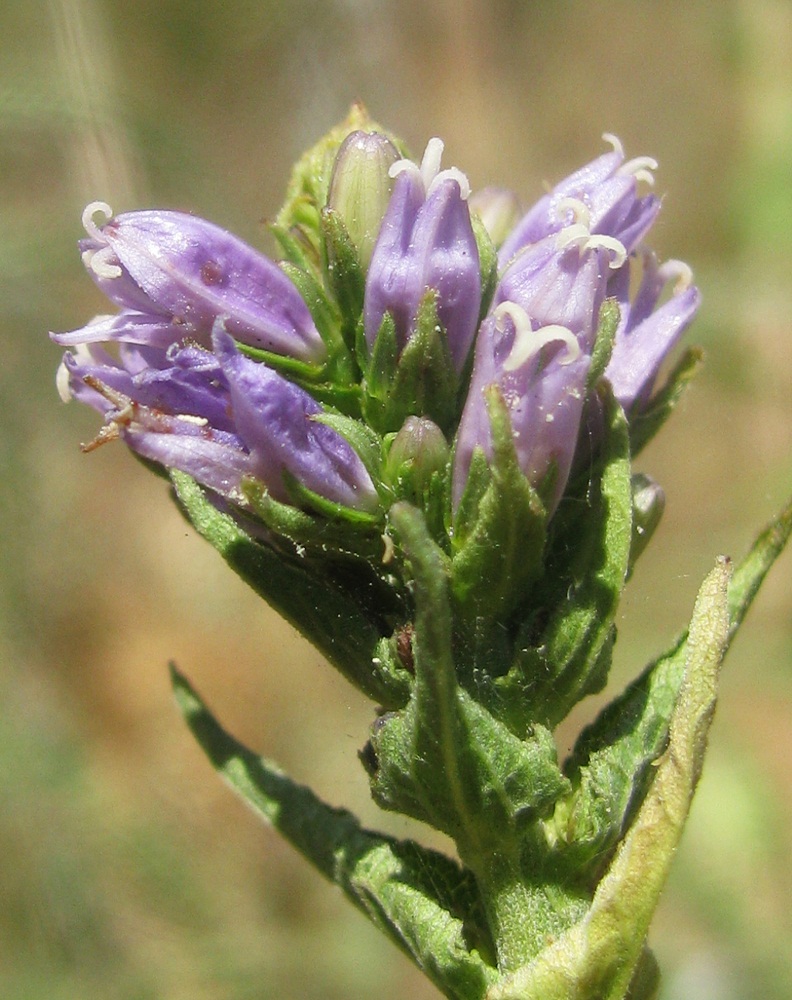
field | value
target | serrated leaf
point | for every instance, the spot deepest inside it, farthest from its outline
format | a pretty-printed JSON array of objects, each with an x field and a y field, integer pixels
[
  {"x": 598, "y": 956},
  {"x": 499, "y": 541},
  {"x": 445, "y": 759},
  {"x": 419, "y": 898},
  {"x": 343, "y": 621}
]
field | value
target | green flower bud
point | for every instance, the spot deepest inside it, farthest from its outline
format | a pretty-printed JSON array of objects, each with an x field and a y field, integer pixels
[
  {"x": 417, "y": 453},
  {"x": 360, "y": 187}
]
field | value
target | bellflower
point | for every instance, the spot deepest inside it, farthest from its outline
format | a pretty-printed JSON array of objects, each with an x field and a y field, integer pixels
[
  {"x": 608, "y": 188},
  {"x": 426, "y": 242},
  {"x": 217, "y": 416},
  {"x": 535, "y": 347},
  {"x": 172, "y": 268},
  {"x": 647, "y": 331}
]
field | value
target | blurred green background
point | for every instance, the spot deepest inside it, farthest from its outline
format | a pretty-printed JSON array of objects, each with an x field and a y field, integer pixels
[{"x": 127, "y": 870}]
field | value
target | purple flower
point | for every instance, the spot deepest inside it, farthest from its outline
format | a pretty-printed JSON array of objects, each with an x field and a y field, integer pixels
[
  {"x": 426, "y": 242},
  {"x": 217, "y": 416},
  {"x": 171, "y": 269},
  {"x": 602, "y": 195},
  {"x": 647, "y": 331},
  {"x": 541, "y": 375}
]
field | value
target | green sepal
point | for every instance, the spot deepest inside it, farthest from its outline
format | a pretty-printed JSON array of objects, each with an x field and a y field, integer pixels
[
  {"x": 498, "y": 550},
  {"x": 589, "y": 559},
  {"x": 343, "y": 613},
  {"x": 343, "y": 273},
  {"x": 322, "y": 310},
  {"x": 294, "y": 247},
  {"x": 423, "y": 901},
  {"x": 419, "y": 380},
  {"x": 613, "y": 761},
  {"x": 608, "y": 323},
  {"x": 444, "y": 759},
  {"x": 488, "y": 263},
  {"x": 599, "y": 955},
  {"x": 645, "y": 425},
  {"x": 322, "y": 536},
  {"x": 365, "y": 441}
]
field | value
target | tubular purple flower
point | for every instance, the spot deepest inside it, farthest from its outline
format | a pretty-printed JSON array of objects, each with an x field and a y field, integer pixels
[
  {"x": 276, "y": 420},
  {"x": 425, "y": 242},
  {"x": 178, "y": 268},
  {"x": 647, "y": 332},
  {"x": 562, "y": 279},
  {"x": 606, "y": 190},
  {"x": 541, "y": 375},
  {"x": 218, "y": 417}
]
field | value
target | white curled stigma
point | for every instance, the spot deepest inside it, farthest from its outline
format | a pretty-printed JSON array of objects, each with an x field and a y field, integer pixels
[
  {"x": 429, "y": 173},
  {"x": 101, "y": 261},
  {"x": 671, "y": 269},
  {"x": 641, "y": 168},
  {"x": 528, "y": 342},
  {"x": 580, "y": 235}
]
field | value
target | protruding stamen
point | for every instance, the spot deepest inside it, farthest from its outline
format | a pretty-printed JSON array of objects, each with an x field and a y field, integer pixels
[
  {"x": 451, "y": 174},
  {"x": 102, "y": 262},
  {"x": 88, "y": 218},
  {"x": 528, "y": 342},
  {"x": 579, "y": 209},
  {"x": 678, "y": 269},
  {"x": 614, "y": 141}
]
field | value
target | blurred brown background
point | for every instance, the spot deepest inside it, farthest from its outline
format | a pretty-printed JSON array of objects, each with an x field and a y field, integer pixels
[{"x": 127, "y": 870}]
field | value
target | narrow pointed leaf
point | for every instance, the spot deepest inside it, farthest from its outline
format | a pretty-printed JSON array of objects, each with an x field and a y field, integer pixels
[
  {"x": 336, "y": 619},
  {"x": 599, "y": 956},
  {"x": 414, "y": 895}
]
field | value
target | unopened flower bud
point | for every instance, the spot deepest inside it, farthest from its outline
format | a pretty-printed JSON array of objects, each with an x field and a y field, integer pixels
[
  {"x": 361, "y": 186},
  {"x": 418, "y": 451}
]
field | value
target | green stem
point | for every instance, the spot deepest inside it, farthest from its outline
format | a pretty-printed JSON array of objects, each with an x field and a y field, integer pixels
[{"x": 516, "y": 909}]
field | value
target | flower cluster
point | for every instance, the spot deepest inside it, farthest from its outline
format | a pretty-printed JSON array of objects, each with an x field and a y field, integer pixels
[{"x": 402, "y": 304}]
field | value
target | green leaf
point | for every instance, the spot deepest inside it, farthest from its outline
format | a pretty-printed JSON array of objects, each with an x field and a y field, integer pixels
[
  {"x": 608, "y": 323},
  {"x": 345, "y": 615},
  {"x": 598, "y": 956},
  {"x": 613, "y": 761},
  {"x": 419, "y": 898},
  {"x": 419, "y": 380},
  {"x": 500, "y": 541}
]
